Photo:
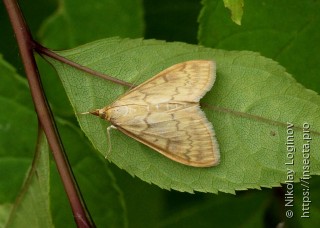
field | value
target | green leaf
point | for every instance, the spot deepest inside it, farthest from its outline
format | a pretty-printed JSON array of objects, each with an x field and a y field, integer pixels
[
  {"x": 4, "y": 213},
  {"x": 150, "y": 198},
  {"x": 75, "y": 22},
  {"x": 236, "y": 8},
  {"x": 215, "y": 212},
  {"x": 172, "y": 20},
  {"x": 32, "y": 206},
  {"x": 17, "y": 139},
  {"x": 249, "y": 106},
  {"x": 16, "y": 146},
  {"x": 286, "y": 31}
]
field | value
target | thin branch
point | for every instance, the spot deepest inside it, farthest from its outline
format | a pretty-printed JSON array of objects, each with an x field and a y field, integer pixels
[
  {"x": 45, "y": 51},
  {"x": 25, "y": 43}
]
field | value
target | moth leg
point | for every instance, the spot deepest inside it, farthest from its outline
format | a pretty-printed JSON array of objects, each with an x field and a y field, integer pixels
[{"x": 109, "y": 139}]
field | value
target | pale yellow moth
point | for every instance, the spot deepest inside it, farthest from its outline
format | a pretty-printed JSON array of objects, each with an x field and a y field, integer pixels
[{"x": 164, "y": 114}]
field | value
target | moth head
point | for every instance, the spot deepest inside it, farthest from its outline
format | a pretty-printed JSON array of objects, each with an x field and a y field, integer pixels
[{"x": 102, "y": 113}]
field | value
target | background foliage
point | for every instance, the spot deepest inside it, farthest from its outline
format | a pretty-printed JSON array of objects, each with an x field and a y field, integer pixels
[{"x": 285, "y": 31}]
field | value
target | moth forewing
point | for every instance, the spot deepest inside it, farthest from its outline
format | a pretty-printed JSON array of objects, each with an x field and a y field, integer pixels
[{"x": 164, "y": 114}]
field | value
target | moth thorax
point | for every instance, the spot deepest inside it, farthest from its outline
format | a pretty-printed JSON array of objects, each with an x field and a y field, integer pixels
[{"x": 117, "y": 112}]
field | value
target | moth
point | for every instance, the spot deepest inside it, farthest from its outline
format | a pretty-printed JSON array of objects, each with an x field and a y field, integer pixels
[{"x": 164, "y": 114}]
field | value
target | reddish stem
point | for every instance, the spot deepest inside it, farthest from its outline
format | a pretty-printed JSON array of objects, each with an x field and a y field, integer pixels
[
  {"x": 45, "y": 51},
  {"x": 25, "y": 43}
]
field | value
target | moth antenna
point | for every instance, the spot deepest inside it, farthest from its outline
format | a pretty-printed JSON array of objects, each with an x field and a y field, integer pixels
[
  {"x": 94, "y": 112},
  {"x": 84, "y": 113},
  {"x": 109, "y": 140}
]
